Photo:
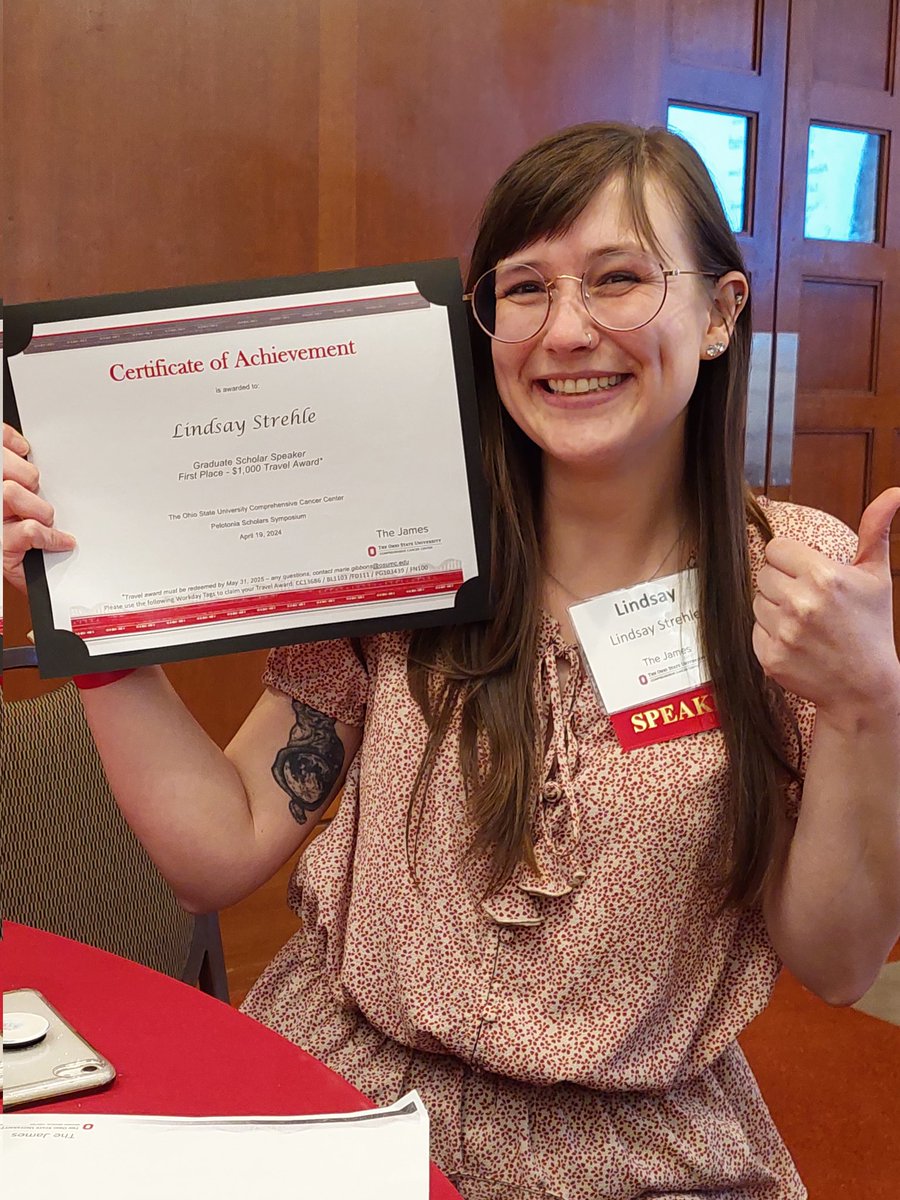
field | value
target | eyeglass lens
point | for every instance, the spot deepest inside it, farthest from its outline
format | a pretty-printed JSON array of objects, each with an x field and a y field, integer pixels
[{"x": 621, "y": 290}]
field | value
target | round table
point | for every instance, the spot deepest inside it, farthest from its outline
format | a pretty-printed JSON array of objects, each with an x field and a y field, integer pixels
[{"x": 177, "y": 1051}]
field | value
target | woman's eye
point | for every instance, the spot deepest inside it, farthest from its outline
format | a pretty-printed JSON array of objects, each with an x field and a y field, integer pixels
[
  {"x": 616, "y": 277},
  {"x": 527, "y": 288}
]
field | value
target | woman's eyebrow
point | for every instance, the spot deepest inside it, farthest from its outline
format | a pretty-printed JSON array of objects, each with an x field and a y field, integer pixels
[
  {"x": 538, "y": 264},
  {"x": 621, "y": 248}
]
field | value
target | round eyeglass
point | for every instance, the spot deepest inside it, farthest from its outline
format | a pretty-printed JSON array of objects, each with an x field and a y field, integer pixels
[{"x": 621, "y": 291}]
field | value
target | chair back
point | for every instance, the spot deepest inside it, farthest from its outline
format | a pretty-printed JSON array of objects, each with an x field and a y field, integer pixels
[{"x": 70, "y": 862}]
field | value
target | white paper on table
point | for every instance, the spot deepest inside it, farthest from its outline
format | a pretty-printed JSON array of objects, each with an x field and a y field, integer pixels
[
  {"x": 381, "y": 1154},
  {"x": 185, "y": 537}
]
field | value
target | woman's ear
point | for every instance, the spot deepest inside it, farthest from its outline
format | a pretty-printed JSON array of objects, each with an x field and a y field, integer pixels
[{"x": 729, "y": 299}]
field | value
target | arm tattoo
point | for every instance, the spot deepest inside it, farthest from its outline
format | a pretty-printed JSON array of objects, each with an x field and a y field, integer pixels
[{"x": 308, "y": 766}]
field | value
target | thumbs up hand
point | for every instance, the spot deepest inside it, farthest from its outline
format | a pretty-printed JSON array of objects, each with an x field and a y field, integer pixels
[
  {"x": 824, "y": 630},
  {"x": 874, "y": 551}
]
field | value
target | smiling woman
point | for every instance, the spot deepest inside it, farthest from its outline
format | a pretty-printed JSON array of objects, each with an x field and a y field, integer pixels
[
  {"x": 620, "y": 421},
  {"x": 615, "y": 329},
  {"x": 551, "y": 915}
]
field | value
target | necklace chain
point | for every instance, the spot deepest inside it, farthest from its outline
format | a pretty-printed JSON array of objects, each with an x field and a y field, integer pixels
[{"x": 665, "y": 559}]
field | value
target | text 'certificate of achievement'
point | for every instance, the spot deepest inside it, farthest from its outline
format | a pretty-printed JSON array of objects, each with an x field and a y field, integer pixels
[{"x": 252, "y": 464}]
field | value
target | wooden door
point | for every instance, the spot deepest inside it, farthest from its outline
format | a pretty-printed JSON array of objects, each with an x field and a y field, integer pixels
[
  {"x": 824, "y": 407},
  {"x": 728, "y": 57},
  {"x": 836, "y": 404}
]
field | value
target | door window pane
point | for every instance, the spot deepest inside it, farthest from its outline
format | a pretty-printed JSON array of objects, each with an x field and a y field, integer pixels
[
  {"x": 721, "y": 140},
  {"x": 842, "y": 184}
]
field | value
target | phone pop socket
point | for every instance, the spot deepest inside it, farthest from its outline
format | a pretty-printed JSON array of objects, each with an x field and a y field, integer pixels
[{"x": 23, "y": 1029}]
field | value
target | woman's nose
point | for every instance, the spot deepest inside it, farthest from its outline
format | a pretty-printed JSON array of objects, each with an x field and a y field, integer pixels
[{"x": 569, "y": 325}]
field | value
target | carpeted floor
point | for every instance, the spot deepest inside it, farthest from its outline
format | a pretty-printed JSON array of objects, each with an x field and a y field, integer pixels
[{"x": 831, "y": 1078}]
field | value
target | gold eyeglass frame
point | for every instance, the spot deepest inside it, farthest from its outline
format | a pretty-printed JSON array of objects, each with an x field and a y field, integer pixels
[{"x": 667, "y": 273}]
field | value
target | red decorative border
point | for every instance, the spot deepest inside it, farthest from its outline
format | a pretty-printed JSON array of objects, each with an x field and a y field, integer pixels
[
  {"x": 268, "y": 604},
  {"x": 250, "y": 321}
]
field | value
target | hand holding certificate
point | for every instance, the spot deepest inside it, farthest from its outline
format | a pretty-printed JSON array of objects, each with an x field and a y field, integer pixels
[{"x": 251, "y": 465}]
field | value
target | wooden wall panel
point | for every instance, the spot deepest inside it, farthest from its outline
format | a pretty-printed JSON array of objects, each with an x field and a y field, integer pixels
[
  {"x": 445, "y": 104},
  {"x": 832, "y": 468},
  {"x": 157, "y": 144},
  {"x": 717, "y": 33},
  {"x": 338, "y": 60},
  {"x": 837, "y": 363},
  {"x": 863, "y": 58}
]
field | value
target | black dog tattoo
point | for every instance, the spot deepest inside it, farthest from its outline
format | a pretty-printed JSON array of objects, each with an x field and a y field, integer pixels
[{"x": 308, "y": 766}]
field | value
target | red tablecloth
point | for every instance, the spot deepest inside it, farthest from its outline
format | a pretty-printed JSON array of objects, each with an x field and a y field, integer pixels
[{"x": 177, "y": 1051}]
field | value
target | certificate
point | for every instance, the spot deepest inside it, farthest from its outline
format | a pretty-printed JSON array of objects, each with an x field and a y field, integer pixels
[
  {"x": 381, "y": 1154},
  {"x": 252, "y": 464}
]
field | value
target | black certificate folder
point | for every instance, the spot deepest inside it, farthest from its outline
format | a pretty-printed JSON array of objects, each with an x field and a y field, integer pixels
[{"x": 246, "y": 465}]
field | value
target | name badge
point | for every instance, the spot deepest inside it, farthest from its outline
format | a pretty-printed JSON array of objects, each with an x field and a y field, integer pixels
[{"x": 642, "y": 649}]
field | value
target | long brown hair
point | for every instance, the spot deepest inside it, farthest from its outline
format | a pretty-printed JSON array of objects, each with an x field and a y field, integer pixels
[{"x": 483, "y": 675}]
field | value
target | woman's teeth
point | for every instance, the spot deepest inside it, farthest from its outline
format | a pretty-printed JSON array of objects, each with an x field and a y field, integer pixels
[{"x": 597, "y": 383}]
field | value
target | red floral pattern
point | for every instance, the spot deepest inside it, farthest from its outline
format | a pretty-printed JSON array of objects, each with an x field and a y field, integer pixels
[{"x": 574, "y": 1035}]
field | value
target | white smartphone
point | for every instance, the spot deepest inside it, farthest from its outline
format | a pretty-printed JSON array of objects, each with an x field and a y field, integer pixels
[{"x": 43, "y": 1056}]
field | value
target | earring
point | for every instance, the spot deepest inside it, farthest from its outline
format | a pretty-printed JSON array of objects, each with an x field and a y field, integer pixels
[
  {"x": 739, "y": 299},
  {"x": 715, "y": 349}
]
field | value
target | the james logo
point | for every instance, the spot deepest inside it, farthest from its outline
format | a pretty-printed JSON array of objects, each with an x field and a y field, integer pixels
[{"x": 670, "y": 714}]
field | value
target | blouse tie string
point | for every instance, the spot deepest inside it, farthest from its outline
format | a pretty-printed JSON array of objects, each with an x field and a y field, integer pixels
[{"x": 556, "y": 821}]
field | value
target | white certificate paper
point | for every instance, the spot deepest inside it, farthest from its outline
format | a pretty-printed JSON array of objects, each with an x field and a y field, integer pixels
[
  {"x": 253, "y": 470},
  {"x": 380, "y": 1154}
]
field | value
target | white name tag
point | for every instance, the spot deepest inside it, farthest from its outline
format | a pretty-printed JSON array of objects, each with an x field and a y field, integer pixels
[{"x": 642, "y": 648}]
